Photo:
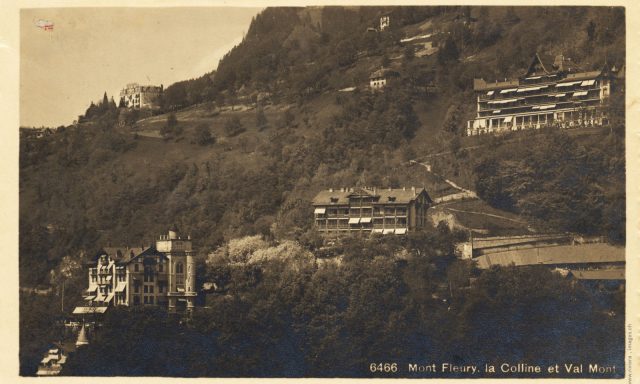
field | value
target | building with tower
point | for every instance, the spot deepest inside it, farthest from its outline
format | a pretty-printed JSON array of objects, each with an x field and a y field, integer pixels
[{"x": 161, "y": 274}]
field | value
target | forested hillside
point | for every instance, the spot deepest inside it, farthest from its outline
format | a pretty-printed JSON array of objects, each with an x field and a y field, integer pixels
[{"x": 239, "y": 152}]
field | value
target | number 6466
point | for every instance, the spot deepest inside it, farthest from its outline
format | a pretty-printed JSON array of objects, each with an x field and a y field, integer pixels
[{"x": 383, "y": 367}]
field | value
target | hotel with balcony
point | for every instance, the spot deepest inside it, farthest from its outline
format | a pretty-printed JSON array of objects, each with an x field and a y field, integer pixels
[
  {"x": 163, "y": 274},
  {"x": 370, "y": 210},
  {"x": 553, "y": 92}
]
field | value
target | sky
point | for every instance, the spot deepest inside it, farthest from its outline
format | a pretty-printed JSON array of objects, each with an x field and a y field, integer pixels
[{"x": 93, "y": 50}]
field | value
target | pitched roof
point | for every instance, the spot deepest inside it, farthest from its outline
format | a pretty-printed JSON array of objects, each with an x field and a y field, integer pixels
[
  {"x": 341, "y": 197},
  {"x": 554, "y": 255},
  {"x": 599, "y": 274},
  {"x": 482, "y": 85},
  {"x": 582, "y": 75},
  {"x": 124, "y": 255},
  {"x": 383, "y": 72}
]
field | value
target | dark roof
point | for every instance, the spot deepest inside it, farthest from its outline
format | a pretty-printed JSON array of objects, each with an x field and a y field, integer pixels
[
  {"x": 124, "y": 255},
  {"x": 482, "y": 85},
  {"x": 582, "y": 75},
  {"x": 383, "y": 72},
  {"x": 599, "y": 274},
  {"x": 400, "y": 196},
  {"x": 555, "y": 255}
]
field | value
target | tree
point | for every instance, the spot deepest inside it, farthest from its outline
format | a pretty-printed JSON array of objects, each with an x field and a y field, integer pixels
[
  {"x": 202, "y": 135},
  {"x": 233, "y": 126},
  {"x": 261, "y": 119},
  {"x": 172, "y": 128},
  {"x": 449, "y": 52},
  {"x": 409, "y": 53},
  {"x": 591, "y": 30}
]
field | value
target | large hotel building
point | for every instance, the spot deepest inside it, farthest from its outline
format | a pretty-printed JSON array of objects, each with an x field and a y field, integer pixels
[
  {"x": 553, "y": 92},
  {"x": 163, "y": 275},
  {"x": 370, "y": 210}
]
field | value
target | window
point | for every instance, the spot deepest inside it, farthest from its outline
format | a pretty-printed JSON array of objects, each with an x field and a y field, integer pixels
[
  {"x": 136, "y": 300},
  {"x": 160, "y": 288},
  {"x": 135, "y": 267},
  {"x": 151, "y": 289},
  {"x": 136, "y": 288},
  {"x": 161, "y": 267},
  {"x": 179, "y": 268},
  {"x": 148, "y": 274},
  {"x": 150, "y": 299},
  {"x": 146, "y": 300},
  {"x": 146, "y": 289}
]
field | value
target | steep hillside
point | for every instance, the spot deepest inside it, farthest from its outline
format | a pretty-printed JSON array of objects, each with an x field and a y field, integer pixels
[{"x": 281, "y": 128}]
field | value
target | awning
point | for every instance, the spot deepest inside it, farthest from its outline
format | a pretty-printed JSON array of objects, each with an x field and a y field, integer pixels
[
  {"x": 587, "y": 82},
  {"x": 320, "y": 211},
  {"x": 535, "y": 107},
  {"x": 567, "y": 84},
  {"x": 109, "y": 278},
  {"x": 387, "y": 231},
  {"x": 497, "y": 111},
  {"x": 561, "y": 95},
  {"x": 120, "y": 287},
  {"x": 508, "y": 119},
  {"x": 89, "y": 298},
  {"x": 110, "y": 297},
  {"x": 547, "y": 106},
  {"x": 520, "y": 90},
  {"x": 86, "y": 310},
  {"x": 365, "y": 220},
  {"x": 489, "y": 93},
  {"x": 502, "y": 101},
  {"x": 581, "y": 93},
  {"x": 354, "y": 220},
  {"x": 533, "y": 77},
  {"x": 378, "y": 230},
  {"x": 508, "y": 90},
  {"x": 401, "y": 231}
]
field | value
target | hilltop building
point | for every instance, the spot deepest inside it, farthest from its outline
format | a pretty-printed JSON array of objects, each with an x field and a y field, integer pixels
[
  {"x": 381, "y": 77},
  {"x": 553, "y": 92},
  {"x": 163, "y": 274},
  {"x": 384, "y": 22},
  {"x": 141, "y": 96},
  {"x": 371, "y": 210}
]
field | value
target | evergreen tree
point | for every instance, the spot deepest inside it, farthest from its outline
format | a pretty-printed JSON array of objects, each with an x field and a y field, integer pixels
[{"x": 449, "y": 52}]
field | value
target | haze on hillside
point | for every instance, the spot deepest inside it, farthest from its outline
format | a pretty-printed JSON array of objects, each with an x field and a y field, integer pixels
[{"x": 93, "y": 50}]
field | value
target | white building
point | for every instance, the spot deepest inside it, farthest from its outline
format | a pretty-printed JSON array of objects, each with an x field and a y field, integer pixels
[{"x": 163, "y": 274}]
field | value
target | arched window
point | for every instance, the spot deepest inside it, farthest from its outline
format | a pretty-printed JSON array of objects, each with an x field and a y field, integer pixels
[{"x": 179, "y": 268}]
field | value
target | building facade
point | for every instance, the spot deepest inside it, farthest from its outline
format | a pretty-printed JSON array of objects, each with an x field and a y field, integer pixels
[
  {"x": 371, "y": 210},
  {"x": 553, "y": 92},
  {"x": 141, "y": 96},
  {"x": 163, "y": 274},
  {"x": 380, "y": 78}
]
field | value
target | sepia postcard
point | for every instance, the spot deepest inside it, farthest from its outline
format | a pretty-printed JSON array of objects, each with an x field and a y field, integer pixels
[{"x": 304, "y": 190}]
